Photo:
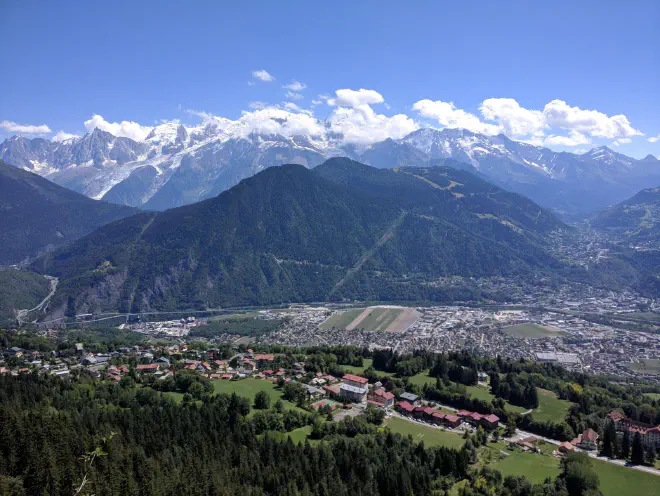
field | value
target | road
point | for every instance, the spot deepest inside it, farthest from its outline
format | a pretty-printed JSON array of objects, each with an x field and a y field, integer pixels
[{"x": 21, "y": 314}]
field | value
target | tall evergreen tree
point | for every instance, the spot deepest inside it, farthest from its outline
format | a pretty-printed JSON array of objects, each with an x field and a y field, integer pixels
[{"x": 637, "y": 452}]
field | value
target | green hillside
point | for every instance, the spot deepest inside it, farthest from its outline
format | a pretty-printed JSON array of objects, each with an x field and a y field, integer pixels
[{"x": 343, "y": 230}]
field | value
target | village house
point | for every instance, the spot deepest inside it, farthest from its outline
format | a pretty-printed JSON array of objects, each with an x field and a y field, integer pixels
[
  {"x": 410, "y": 398},
  {"x": 353, "y": 394},
  {"x": 355, "y": 380},
  {"x": 405, "y": 408},
  {"x": 146, "y": 368},
  {"x": 588, "y": 440},
  {"x": 382, "y": 397},
  {"x": 263, "y": 360}
]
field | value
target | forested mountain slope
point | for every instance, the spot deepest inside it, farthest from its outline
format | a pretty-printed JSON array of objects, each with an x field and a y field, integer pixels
[
  {"x": 344, "y": 230},
  {"x": 36, "y": 214}
]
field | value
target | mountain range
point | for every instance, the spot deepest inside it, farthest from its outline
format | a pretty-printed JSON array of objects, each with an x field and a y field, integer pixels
[
  {"x": 177, "y": 165},
  {"x": 343, "y": 230},
  {"x": 637, "y": 218},
  {"x": 38, "y": 215}
]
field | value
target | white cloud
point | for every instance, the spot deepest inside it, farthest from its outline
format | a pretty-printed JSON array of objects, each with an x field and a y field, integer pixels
[
  {"x": 512, "y": 119},
  {"x": 12, "y": 127},
  {"x": 293, "y": 96},
  {"x": 506, "y": 115},
  {"x": 592, "y": 122},
  {"x": 621, "y": 141},
  {"x": 354, "y": 98},
  {"x": 295, "y": 86},
  {"x": 273, "y": 120},
  {"x": 256, "y": 105},
  {"x": 262, "y": 75},
  {"x": 126, "y": 129},
  {"x": 295, "y": 108},
  {"x": 61, "y": 136},
  {"x": 448, "y": 115},
  {"x": 317, "y": 102},
  {"x": 654, "y": 139},
  {"x": 574, "y": 139},
  {"x": 361, "y": 125}
]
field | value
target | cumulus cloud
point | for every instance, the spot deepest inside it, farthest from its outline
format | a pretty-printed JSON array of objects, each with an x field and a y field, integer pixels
[
  {"x": 293, "y": 96},
  {"x": 654, "y": 139},
  {"x": 622, "y": 141},
  {"x": 574, "y": 138},
  {"x": 273, "y": 120},
  {"x": 295, "y": 108},
  {"x": 448, "y": 115},
  {"x": 546, "y": 126},
  {"x": 559, "y": 114},
  {"x": 262, "y": 75},
  {"x": 295, "y": 86},
  {"x": 512, "y": 119},
  {"x": 361, "y": 125},
  {"x": 12, "y": 127},
  {"x": 354, "y": 98},
  {"x": 127, "y": 129},
  {"x": 256, "y": 105},
  {"x": 62, "y": 136}
]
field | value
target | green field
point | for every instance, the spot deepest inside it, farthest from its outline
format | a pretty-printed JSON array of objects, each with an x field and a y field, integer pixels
[
  {"x": 533, "y": 331},
  {"x": 430, "y": 435},
  {"x": 652, "y": 396},
  {"x": 341, "y": 320},
  {"x": 614, "y": 479},
  {"x": 366, "y": 363},
  {"x": 646, "y": 366},
  {"x": 376, "y": 319},
  {"x": 249, "y": 388},
  {"x": 550, "y": 407},
  {"x": 298, "y": 435}
]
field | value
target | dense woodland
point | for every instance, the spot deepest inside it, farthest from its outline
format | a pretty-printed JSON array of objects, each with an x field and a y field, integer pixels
[{"x": 127, "y": 438}]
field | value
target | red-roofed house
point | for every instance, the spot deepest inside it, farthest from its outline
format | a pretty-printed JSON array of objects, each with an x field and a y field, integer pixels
[
  {"x": 147, "y": 369},
  {"x": 489, "y": 422},
  {"x": 355, "y": 380},
  {"x": 452, "y": 421},
  {"x": 405, "y": 407},
  {"x": 381, "y": 396}
]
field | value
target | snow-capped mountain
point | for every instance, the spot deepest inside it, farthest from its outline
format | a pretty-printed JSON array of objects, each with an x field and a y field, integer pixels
[{"x": 177, "y": 165}]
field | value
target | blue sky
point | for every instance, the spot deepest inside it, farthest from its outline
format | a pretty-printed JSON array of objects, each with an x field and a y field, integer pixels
[{"x": 570, "y": 75}]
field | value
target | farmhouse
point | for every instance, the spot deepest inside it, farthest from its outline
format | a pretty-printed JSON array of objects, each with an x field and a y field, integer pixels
[{"x": 147, "y": 369}]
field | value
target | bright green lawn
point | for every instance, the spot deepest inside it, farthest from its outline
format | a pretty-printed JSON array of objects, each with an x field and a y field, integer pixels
[
  {"x": 297, "y": 435},
  {"x": 550, "y": 407},
  {"x": 652, "y": 396},
  {"x": 614, "y": 479},
  {"x": 249, "y": 388},
  {"x": 430, "y": 435},
  {"x": 366, "y": 363}
]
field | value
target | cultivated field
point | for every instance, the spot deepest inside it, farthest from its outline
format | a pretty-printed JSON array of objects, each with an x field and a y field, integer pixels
[
  {"x": 379, "y": 318},
  {"x": 533, "y": 331},
  {"x": 647, "y": 366}
]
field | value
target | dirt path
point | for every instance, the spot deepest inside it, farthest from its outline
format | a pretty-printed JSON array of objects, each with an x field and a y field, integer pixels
[{"x": 23, "y": 314}]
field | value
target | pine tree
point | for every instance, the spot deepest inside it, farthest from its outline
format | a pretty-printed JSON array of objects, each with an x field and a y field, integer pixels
[
  {"x": 609, "y": 439},
  {"x": 637, "y": 456},
  {"x": 625, "y": 447}
]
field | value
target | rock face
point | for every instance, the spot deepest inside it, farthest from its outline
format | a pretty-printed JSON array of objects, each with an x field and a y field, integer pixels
[{"x": 177, "y": 166}]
